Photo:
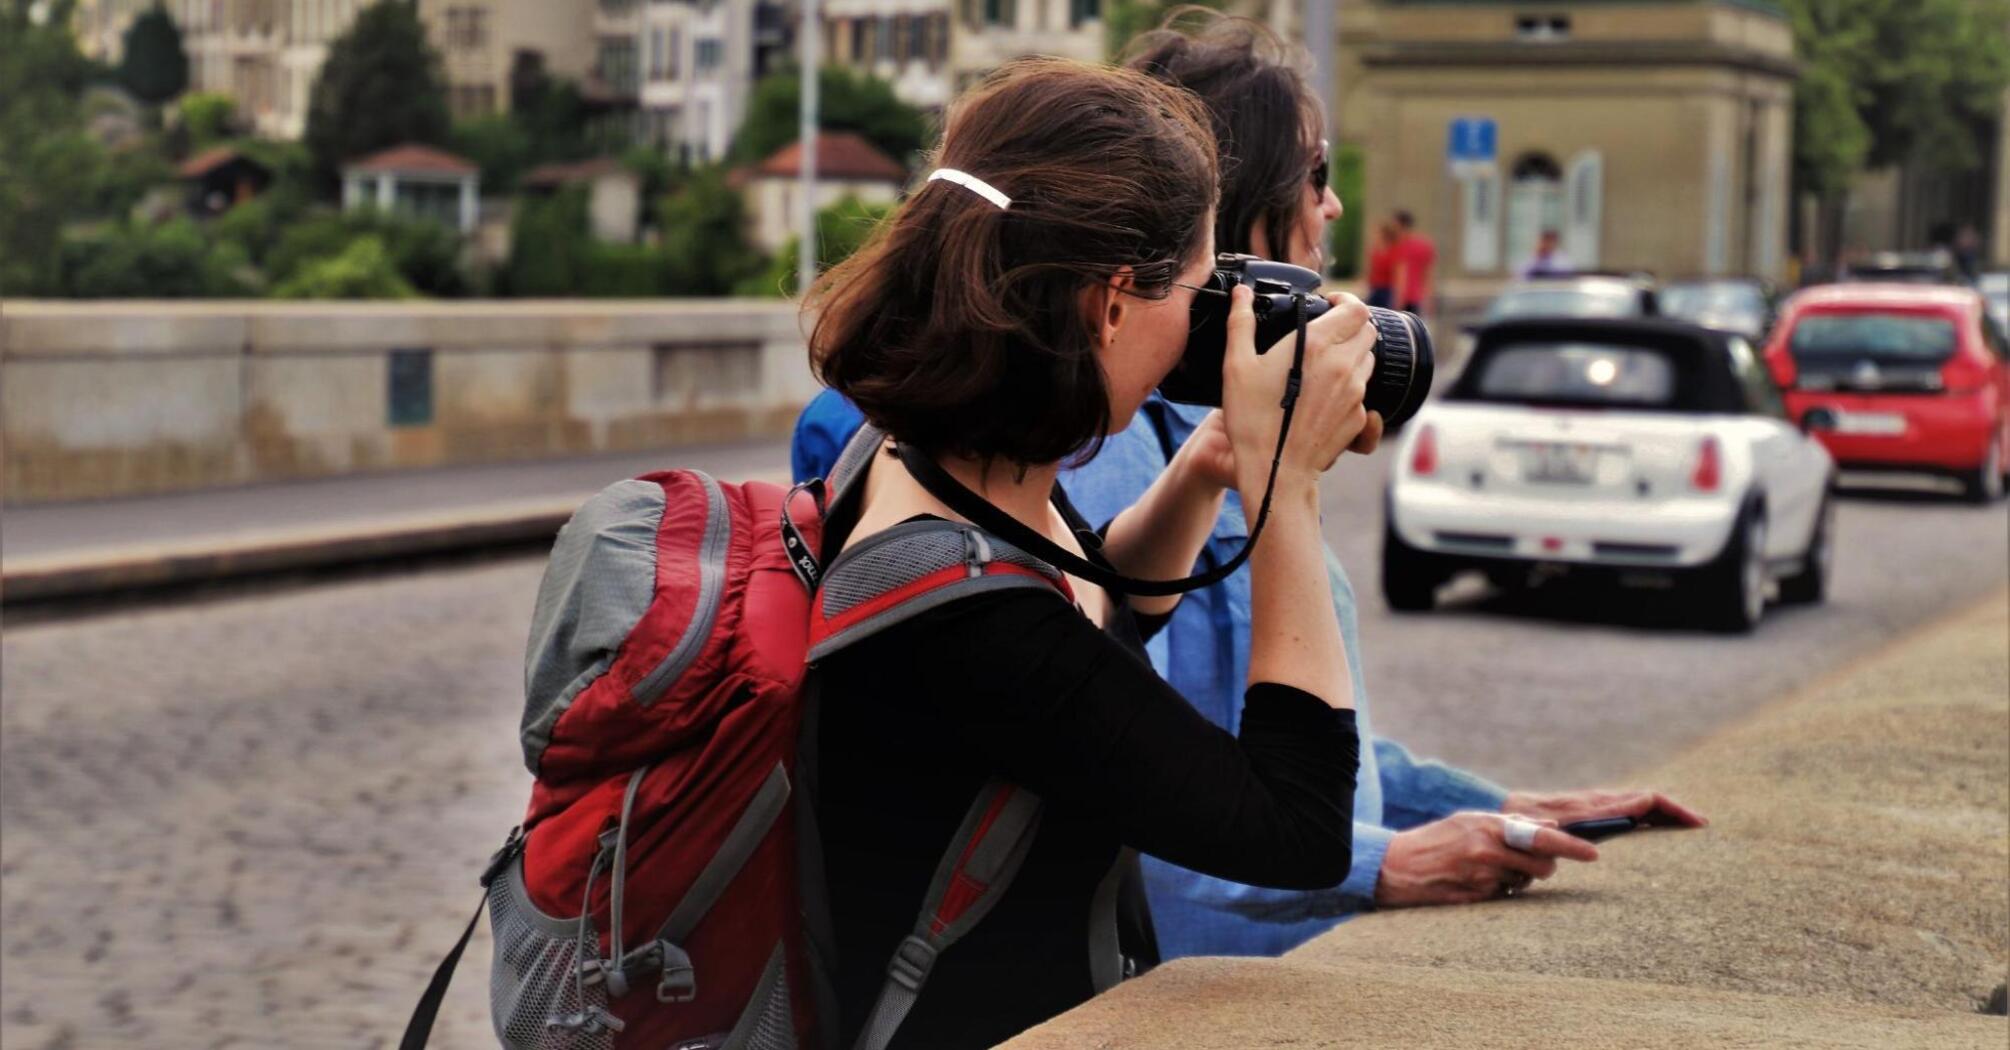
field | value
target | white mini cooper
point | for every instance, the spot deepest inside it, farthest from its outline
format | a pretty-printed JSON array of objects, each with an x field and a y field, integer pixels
[{"x": 1645, "y": 450}]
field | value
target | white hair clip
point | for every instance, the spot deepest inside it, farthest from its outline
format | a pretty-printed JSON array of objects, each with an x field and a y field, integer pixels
[{"x": 973, "y": 184}]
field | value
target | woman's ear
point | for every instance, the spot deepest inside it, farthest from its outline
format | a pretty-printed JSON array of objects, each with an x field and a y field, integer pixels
[{"x": 1106, "y": 305}]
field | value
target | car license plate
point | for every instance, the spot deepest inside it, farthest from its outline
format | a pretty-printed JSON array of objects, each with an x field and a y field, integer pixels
[
  {"x": 1877, "y": 423},
  {"x": 1561, "y": 462}
]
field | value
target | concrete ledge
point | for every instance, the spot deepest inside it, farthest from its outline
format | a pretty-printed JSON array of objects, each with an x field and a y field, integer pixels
[
  {"x": 1850, "y": 892},
  {"x": 1247, "y": 1003},
  {"x": 128, "y": 569}
]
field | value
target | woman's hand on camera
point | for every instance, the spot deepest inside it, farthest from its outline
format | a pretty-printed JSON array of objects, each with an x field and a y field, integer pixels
[{"x": 1329, "y": 417}]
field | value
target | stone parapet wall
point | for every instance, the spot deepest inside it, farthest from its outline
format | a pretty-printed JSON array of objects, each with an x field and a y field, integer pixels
[{"x": 119, "y": 399}]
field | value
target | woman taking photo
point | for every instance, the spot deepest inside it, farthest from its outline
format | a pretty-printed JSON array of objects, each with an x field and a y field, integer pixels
[{"x": 1023, "y": 301}]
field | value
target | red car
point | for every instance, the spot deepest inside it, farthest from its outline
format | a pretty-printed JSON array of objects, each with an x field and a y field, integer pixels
[{"x": 1899, "y": 377}]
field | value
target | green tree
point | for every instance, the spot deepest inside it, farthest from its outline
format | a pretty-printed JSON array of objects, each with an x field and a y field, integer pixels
[
  {"x": 171, "y": 260},
  {"x": 155, "y": 68},
  {"x": 424, "y": 253},
  {"x": 842, "y": 229},
  {"x": 51, "y": 171},
  {"x": 380, "y": 86},
  {"x": 206, "y": 119},
  {"x": 1884, "y": 82},
  {"x": 363, "y": 270},
  {"x": 1125, "y": 19},
  {"x": 704, "y": 246},
  {"x": 549, "y": 245},
  {"x": 499, "y": 145},
  {"x": 847, "y": 101},
  {"x": 1350, "y": 178}
]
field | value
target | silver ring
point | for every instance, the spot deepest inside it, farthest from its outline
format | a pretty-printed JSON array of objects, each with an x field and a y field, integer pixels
[{"x": 1519, "y": 834}]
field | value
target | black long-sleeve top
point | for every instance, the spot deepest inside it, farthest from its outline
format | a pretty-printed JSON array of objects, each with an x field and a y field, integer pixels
[{"x": 1020, "y": 685}]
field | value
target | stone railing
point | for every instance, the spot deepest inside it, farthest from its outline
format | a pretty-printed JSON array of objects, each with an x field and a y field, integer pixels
[{"x": 105, "y": 399}]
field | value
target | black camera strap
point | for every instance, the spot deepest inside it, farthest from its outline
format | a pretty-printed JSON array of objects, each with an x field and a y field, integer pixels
[{"x": 980, "y": 512}]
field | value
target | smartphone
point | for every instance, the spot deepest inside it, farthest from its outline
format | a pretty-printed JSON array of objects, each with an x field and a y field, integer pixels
[{"x": 1601, "y": 829}]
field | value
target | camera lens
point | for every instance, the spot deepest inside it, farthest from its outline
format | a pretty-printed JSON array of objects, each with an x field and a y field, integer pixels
[
  {"x": 1404, "y": 364},
  {"x": 1403, "y": 357}
]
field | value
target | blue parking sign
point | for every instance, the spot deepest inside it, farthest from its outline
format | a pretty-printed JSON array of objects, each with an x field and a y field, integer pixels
[{"x": 1471, "y": 142}]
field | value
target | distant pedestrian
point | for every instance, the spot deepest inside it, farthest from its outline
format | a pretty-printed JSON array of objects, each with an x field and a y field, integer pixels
[
  {"x": 1549, "y": 259},
  {"x": 1382, "y": 265},
  {"x": 1416, "y": 257}
]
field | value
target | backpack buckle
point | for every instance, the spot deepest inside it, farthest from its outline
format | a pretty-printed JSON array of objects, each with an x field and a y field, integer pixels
[
  {"x": 679, "y": 983},
  {"x": 501, "y": 858},
  {"x": 911, "y": 963}
]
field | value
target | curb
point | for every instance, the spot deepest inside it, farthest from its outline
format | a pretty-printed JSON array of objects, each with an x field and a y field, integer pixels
[{"x": 124, "y": 570}]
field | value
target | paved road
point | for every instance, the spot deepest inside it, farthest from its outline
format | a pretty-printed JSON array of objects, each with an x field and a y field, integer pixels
[{"x": 254, "y": 821}]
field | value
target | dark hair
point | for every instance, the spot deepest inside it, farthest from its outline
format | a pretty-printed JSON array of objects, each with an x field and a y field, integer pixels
[
  {"x": 1263, "y": 113},
  {"x": 1405, "y": 219},
  {"x": 957, "y": 328}
]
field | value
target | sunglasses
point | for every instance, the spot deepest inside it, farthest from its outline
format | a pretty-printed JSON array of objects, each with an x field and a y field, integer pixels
[{"x": 1322, "y": 169}]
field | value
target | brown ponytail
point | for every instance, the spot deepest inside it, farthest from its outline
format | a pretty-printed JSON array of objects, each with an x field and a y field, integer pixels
[{"x": 957, "y": 328}]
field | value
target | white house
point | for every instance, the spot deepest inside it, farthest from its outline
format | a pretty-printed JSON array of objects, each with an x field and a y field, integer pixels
[
  {"x": 847, "y": 166},
  {"x": 415, "y": 180}
]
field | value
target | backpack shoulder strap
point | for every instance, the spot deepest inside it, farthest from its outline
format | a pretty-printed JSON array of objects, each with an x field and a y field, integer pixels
[
  {"x": 904, "y": 571},
  {"x": 980, "y": 863}
]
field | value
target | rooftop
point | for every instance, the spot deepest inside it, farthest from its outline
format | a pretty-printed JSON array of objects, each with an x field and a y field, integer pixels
[
  {"x": 413, "y": 159},
  {"x": 840, "y": 155}
]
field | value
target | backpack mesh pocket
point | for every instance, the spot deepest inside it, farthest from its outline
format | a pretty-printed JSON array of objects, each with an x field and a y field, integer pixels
[{"x": 534, "y": 987}]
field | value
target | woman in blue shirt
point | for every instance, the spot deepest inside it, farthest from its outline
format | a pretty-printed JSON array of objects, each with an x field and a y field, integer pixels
[{"x": 1424, "y": 833}]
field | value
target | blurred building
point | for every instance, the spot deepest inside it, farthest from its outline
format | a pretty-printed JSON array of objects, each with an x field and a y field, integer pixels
[
  {"x": 613, "y": 194},
  {"x": 700, "y": 61},
  {"x": 847, "y": 166},
  {"x": 418, "y": 181},
  {"x": 903, "y": 42},
  {"x": 931, "y": 49},
  {"x": 484, "y": 44},
  {"x": 1652, "y": 136}
]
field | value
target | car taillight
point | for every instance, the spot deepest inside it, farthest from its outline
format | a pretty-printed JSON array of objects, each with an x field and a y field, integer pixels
[
  {"x": 1963, "y": 375},
  {"x": 1424, "y": 457},
  {"x": 1709, "y": 472}
]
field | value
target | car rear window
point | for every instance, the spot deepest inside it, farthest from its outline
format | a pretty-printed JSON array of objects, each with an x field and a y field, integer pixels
[
  {"x": 1888, "y": 336},
  {"x": 1564, "y": 302},
  {"x": 1594, "y": 374}
]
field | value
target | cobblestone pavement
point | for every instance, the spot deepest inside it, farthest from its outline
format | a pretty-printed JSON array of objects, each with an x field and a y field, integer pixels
[{"x": 255, "y": 821}]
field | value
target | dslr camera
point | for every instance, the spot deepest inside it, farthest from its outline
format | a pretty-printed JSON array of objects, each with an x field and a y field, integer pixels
[{"x": 1403, "y": 358}]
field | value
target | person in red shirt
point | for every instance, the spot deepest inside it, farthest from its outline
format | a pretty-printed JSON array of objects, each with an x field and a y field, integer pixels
[
  {"x": 1382, "y": 266},
  {"x": 1416, "y": 257}
]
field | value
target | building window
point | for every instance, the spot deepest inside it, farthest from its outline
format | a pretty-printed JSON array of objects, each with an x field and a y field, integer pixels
[
  {"x": 1000, "y": 12},
  {"x": 938, "y": 47},
  {"x": 1542, "y": 28},
  {"x": 900, "y": 24},
  {"x": 675, "y": 58},
  {"x": 409, "y": 400},
  {"x": 467, "y": 28},
  {"x": 617, "y": 62},
  {"x": 1080, "y": 11},
  {"x": 882, "y": 40},
  {"x": 656, "y": 54},
  {"x": 917, "y": 38},
  {"x": 860, "y": 45},
  {"x": 710, "y": 51}
]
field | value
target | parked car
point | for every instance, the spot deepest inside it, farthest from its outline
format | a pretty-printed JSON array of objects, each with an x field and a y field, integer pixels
[
  {"x": 1738, "y": 305},
  {"x": 1995, "y": 288},
  {"x": 1646, "y": 451},
  {"x": 1914, "y": 378},
  {"x": 1927, "y": 267},
  {"x": 1581, "y": 295}
]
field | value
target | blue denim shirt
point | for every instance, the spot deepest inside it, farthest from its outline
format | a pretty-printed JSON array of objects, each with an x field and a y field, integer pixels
[{"x": 1204, "y": 652}]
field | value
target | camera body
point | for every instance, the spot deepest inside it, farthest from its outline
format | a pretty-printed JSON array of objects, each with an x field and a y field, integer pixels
[{"x": 1403, "y": 356}]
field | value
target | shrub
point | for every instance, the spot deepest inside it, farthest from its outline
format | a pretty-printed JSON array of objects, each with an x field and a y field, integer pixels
[{"x": 363, "y": 270}]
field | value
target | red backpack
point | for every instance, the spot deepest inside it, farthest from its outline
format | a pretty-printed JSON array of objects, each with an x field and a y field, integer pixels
[{"x": 665, "y": 888}]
